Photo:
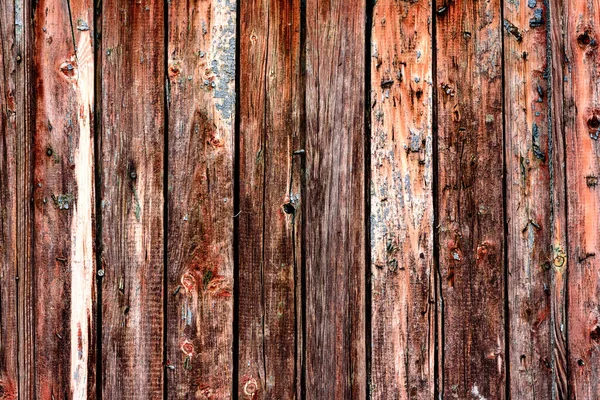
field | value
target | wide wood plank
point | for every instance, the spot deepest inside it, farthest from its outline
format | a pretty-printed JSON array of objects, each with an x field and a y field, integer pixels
[
  {"x": 528, "y": 199},
  {"x": 132, "y": 148},
  {"x": 581, "y": 30},
  {"x": 403, "y": 291},
  {"x": 63, "y": 200},
  {"x": 334, "y": 209},
  {"x": 201, "y": 72},
  {"x": 470, "y": 181},
  {"x": 14, "y": 193},
  {"x": 269, "y": 217}
]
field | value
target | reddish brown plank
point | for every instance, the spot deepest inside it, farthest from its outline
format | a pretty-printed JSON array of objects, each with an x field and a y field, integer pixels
[
  {"x": 201, "y": 70},
  {"x": 14, "y": 182},
  {"x": 335, "y": 199},
  {"x": 581, "y": 32},
  {"x": 559, "y": 260},
  {"x": 132, "y": 147},
  {"x": 63, "y": 200},
  {"x": 270, "y": 159},
  {"x": 470, "y": 181},
  {"x": 528, "y": 199},
  {"x": 403, "y": 295}
]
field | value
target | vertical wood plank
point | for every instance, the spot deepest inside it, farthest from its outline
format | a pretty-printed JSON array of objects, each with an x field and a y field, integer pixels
[
  {"x": 528, "y": 199},
  {"x": 334, "y": 202},
  {"x": 132, "y": 148},
  {"x": 403, "y": 291},
  {"x": 557, "y": 159},
  {"x": 270, "y": 204},
  {"x": 63, "y": 200},
  {"x": 582, "y": 129},
  {"x": 13, "y": 188},
  {"x": 470, "y": 179},
  {"x": 201, "y": 71}
]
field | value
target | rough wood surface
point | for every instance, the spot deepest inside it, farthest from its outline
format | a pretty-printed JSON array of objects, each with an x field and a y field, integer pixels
[
  {"x": 334, "y": 203},
  {"x": 470, "y": 198},
  {"x": 131, "y": 198},
  {"x": 556, "y": 149},
  {"x": 269, "y": 216},
  {"x": 528, "y": 199},
  {"x": 581, "y": 32},
  {"x": 14, "y": 171},
  {"x": 201, "y": 78},
  {"x": 403, "y": 295},
  {"x": 63, "y": 200}
]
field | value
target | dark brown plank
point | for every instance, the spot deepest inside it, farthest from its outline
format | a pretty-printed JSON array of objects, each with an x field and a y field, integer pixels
[
  {"x": 470, "y": 181},
  {"x": 558, "y": 216},
  {"x": 335, "y": 199},
  {"x": 13, "y": 190},
  {"x": 132, "y": 147},
  {"x": 63, "y": 200},
  {"x": 528, "y": 199},
  {"x": 581, "y": 30},
  {"x": 270, "y": 201},
  {"x": 201, "y": 70},
  {"x": 403, "y": 291}
]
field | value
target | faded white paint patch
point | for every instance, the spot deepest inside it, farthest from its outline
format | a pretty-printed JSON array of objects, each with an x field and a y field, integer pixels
[
  {"x": 82, "y": 254},
  {"x": 476, "y": 394}
]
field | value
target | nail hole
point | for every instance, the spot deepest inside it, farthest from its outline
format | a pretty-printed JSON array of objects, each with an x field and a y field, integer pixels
[
  {"x": 594, "y": 123},
  {"x": 584, "y": 39},
  {"x": 580, "y": 362},
  {"x": 288, "y": 208}
]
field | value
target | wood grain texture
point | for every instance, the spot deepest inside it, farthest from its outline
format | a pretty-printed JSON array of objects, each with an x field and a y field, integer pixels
[
  {"x": 528, "y": 199},
  {"x": 270, "y": 203},
  {"x": 132, "y": 148},
  {"x": 201, "y": 71},
  {"x": 581, "y": 115},
  {"x": 403, "y": 291},
  {"x": 558, "y": 214},
  {"x": 63, "y": 200},
  {"x": 470, "y": 179},
  {"x": 335, "y": 199},
  {"x": 13, "y": 194}
]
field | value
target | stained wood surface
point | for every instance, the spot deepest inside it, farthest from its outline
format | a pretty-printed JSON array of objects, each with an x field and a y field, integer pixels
[
  {"x": 582, "y": 126},
  {"x": 402, "y": 265},
  {"x": 270, "y": 201},
  {"x": 201, "y": 79},
  {"x": 63, "y": 200},
  {"x": 334, "y": 234},
  {"x": 131, "y": 198},
  {"x": 302, "y": 199},
  {"x": 528, "y": 199},
  {"x": 470, "y": 199}
]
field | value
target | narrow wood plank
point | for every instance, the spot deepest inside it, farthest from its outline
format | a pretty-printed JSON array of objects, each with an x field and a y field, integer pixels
[
  {"x": 470, "y": 181},
  {"x": 63, "y": 200},
  {"x": 403, "y": 291},
  {"x": 201, "y": 71},
  {"x": 334, "y": 202},
  {"x": 581, "y": 32},
  {"x": 132, "y": 148},
  {"x": 12, "y": 116},
  {"x": 559, "y": 262},
  {"x": 528, "y": 199},
  {"x": 270, "y": 160}
]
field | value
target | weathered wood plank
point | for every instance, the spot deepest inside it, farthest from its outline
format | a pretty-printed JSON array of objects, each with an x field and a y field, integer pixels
[
  {"x": 63, "y": 200},
  {"x": 403, "y": 291},
  {"x": 269, "y": 329},
  {"x": 559, "y": 260},
  {"x": 201, "y": 70},
  {"x": 581, "y": 32},
  {"x": 132, "y": 147},
  {"x": 14, "y": 183},
  {"x": 470, "y": 179},
  {"x": 335, "y": 199},
  {"x": 528, "y": 199}
]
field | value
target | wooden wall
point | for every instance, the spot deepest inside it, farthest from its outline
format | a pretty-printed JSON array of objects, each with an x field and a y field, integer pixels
[{"x": 309, "y": 199}]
